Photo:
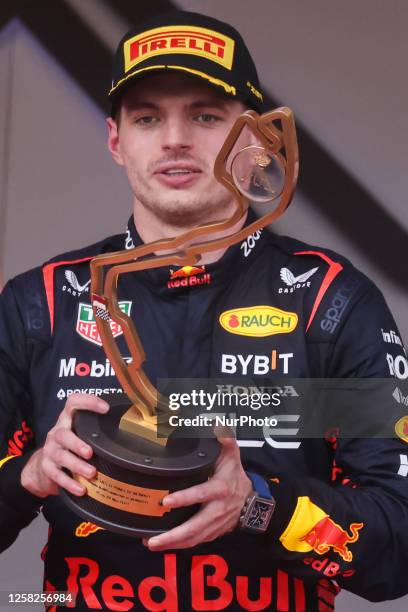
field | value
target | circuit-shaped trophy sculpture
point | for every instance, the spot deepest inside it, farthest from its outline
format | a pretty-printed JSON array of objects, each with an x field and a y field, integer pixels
[{"x": 137, "y": 457}]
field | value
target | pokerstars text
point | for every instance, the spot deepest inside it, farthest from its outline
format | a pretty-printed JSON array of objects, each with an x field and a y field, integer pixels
[{"x": 208, "y": 401}]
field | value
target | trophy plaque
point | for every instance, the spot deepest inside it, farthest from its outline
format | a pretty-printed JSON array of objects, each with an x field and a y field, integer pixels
[{"x": 138, "y": 458}]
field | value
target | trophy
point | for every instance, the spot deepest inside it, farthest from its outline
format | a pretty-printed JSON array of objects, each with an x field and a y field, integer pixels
[{"x": 138, "y": 458}]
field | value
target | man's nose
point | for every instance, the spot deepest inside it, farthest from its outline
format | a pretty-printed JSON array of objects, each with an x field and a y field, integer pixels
[{"x": 177, "y": 135}]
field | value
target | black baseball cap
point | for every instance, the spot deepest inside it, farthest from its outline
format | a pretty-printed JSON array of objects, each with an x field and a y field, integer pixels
[{"x": 195, "y": 44}]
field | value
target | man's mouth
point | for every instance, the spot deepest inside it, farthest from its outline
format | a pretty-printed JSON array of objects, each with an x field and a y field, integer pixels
[
  {"x": 179, "y": 171},
  {"x": 178, "y": 175},
  {"x": 177, "y": 167}
]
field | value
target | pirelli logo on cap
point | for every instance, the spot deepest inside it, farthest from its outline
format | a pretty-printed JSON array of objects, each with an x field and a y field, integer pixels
[{"x": 190, "y": 40}]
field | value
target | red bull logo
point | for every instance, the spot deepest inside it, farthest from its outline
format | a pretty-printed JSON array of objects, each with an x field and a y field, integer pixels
[
  {"x": 212, "y": 587},
  {"x": 186, "y": 271},
  {"x": 328, "y": 568},
  {"x": 188, "y": 276},
  {"x": 327, "y": 534},
  {"x": 311, "y": 528},
  {"x": 85, "y": 529}
]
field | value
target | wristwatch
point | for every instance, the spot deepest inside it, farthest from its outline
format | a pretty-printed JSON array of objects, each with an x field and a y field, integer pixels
[{"x": 259, "y": 506}]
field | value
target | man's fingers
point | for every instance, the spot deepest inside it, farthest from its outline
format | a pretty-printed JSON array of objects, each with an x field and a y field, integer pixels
[
  {"x": 224, "y": 433},
  {"x": 199, "y": 494},
  {"x": 64, "y": 481},
  {"x": 65, "y": 459},
  {"x": 63, "y": 449},
  {"x": 185, "y": 535},
  {"x": 67, "y": 439},
  {"x": 80, "y": 401},
  {"x": 202, "y": 527},
  {"x": 226, "y": 437}
]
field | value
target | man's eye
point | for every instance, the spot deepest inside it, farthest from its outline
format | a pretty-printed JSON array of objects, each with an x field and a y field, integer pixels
[
  {"x": 207, "y": 118},
  {"x": 146, "y": 120}
]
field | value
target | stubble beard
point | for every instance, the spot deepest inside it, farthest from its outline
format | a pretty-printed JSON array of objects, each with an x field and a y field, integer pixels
[{"x": 185, "y": 210}]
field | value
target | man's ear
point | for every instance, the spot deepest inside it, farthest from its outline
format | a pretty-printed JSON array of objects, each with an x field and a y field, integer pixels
[{"x": 113, "y": 140}]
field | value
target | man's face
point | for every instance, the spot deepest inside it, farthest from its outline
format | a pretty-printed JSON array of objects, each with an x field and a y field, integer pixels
[{"x": 170, "y": 131}]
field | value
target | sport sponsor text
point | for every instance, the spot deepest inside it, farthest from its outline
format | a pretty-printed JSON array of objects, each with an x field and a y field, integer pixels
[
  {"x": 86, "y": 325},
  {"x": 211, "y": 586},
  {"x": 255, "y": 364},
  {"x": 258, "y": 321},
  {"x": 190, "y": 40},
  {"x": 339, "y": 303},
  {"x": 72, "y": 367},
  {"x": 188, "y": 276},
  {"x": 293, "y": 282},
  {"x": 66, "y": 393},
  {"x": 398, "y": 366}
]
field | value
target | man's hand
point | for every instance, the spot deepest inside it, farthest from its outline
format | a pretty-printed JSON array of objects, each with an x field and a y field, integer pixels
[
  {"x": 43, "y": 474},
  {"x": 222, "y": 498}
]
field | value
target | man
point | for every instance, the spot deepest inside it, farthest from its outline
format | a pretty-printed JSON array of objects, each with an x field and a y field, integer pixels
[{"x": 180, "y": 82}]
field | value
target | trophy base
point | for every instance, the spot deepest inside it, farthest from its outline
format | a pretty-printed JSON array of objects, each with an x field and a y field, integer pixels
[{"x": 135, "y": 474}]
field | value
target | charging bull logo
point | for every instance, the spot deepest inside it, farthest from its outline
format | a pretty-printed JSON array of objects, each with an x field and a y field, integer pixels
[
  {"x": 312, "y": 529},
  {"x": 328, "y": 534},
  {"x": 186, "y": 271},
  {"x": 188, "y": 276}
]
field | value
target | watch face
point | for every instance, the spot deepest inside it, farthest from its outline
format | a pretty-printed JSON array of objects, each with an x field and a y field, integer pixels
[{"x": 260, "y": 514}]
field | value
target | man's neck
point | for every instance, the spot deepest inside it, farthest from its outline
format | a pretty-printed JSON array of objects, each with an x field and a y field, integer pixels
[{"x": 150, "y": 229}]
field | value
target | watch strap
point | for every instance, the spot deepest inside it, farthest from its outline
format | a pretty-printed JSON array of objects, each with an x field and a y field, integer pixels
[{"x": 259, "y": 485}]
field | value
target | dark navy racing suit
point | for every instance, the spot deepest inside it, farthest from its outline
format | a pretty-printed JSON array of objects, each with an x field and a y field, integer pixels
[{"x": 342, "y": 504}]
